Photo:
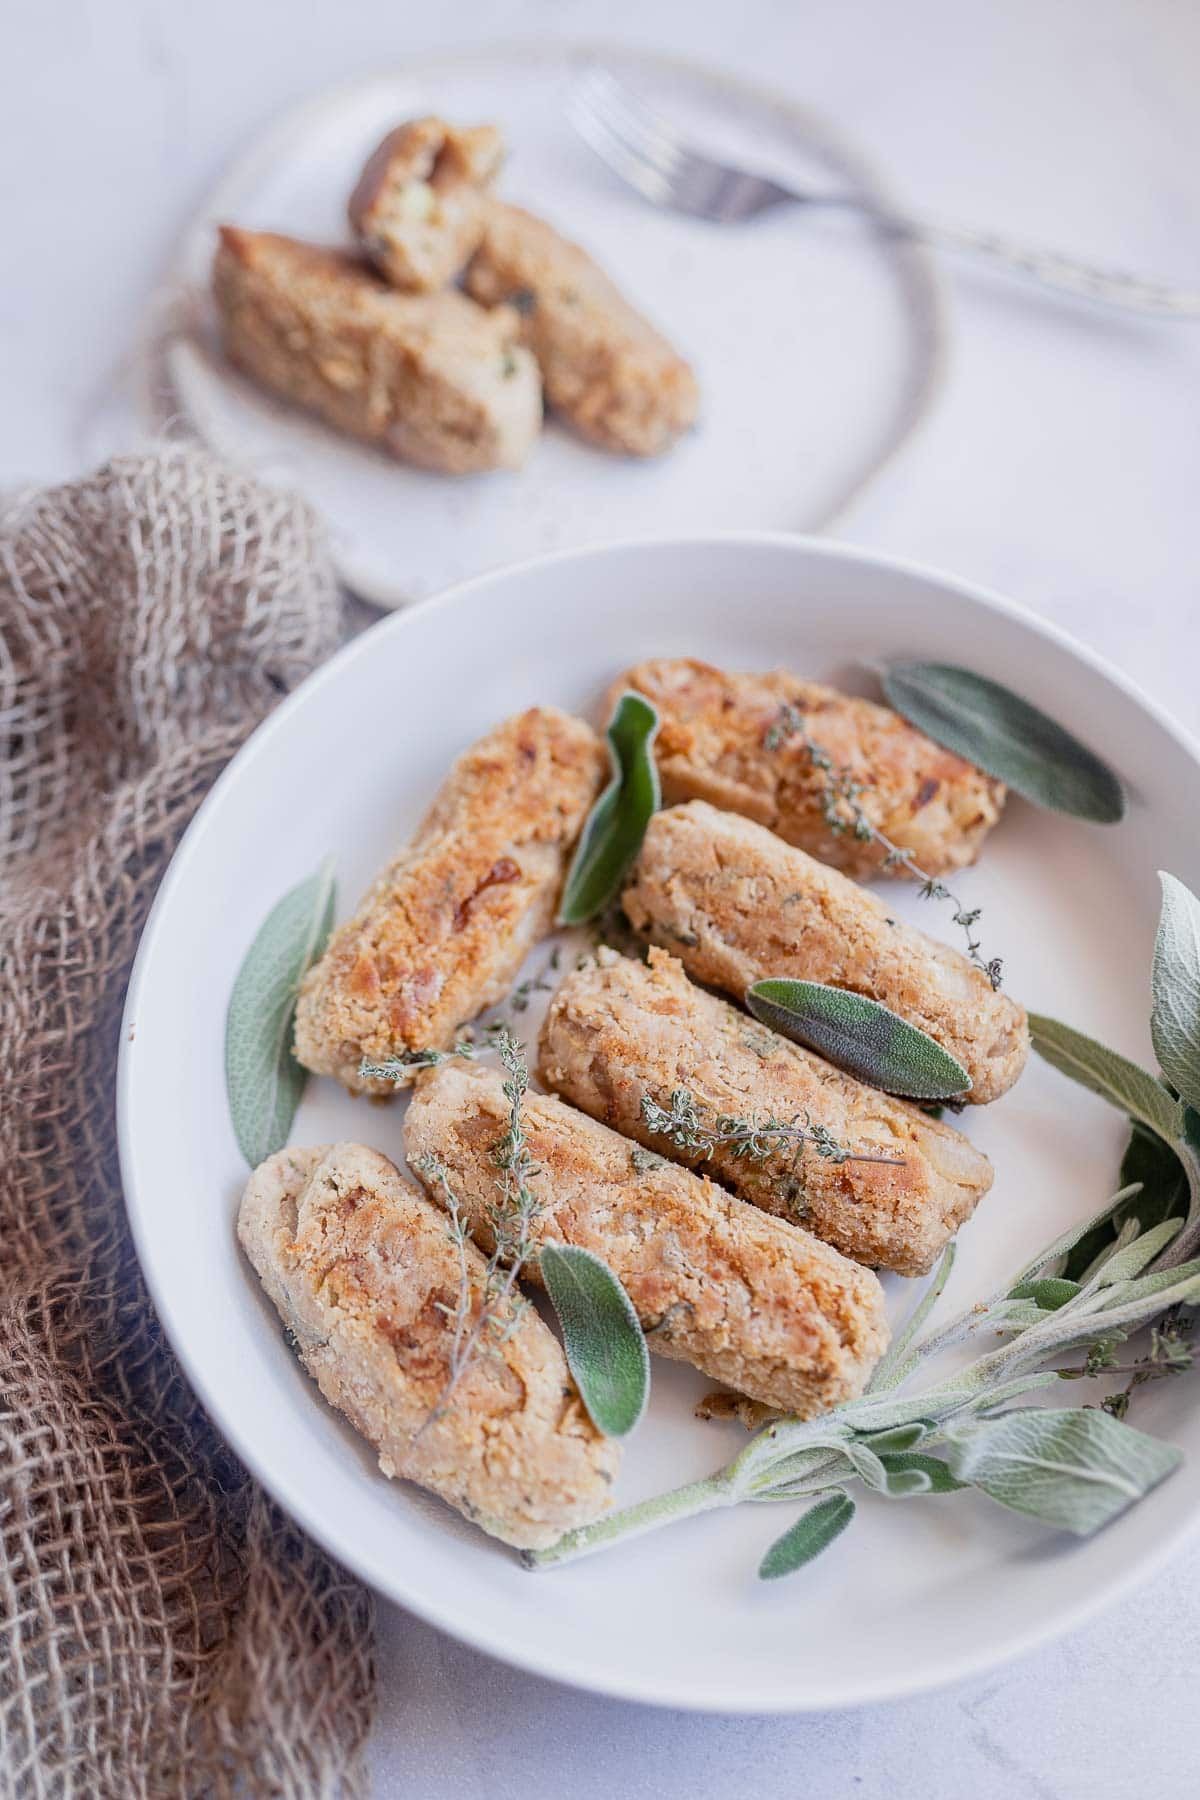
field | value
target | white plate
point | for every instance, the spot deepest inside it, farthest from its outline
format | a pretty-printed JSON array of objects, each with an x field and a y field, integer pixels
[
  {"x": 916, "y": 1594},
  {"x": 817, "y": 344}
]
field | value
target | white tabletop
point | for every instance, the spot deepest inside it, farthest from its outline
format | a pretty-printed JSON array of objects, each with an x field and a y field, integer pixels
[{"x": 1062, "y": 467}]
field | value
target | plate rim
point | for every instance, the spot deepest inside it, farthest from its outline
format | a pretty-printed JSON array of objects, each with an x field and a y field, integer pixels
[
  {"x": 165, "y": 333},
  {"x": 454, "y": 1619}
]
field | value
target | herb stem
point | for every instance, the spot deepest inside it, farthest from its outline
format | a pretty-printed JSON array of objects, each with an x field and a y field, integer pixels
[{"x": 685, "y": 1502}]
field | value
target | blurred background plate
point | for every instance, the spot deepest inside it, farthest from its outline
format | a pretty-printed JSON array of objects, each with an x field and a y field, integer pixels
[{"x": 817, "y": 342}]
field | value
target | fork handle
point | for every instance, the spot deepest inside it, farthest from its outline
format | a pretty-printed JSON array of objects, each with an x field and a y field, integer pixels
[{"x": 1066, "y": 274}]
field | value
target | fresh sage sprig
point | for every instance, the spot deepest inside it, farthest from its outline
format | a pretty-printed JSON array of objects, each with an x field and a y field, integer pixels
[
  {"x": 1074, "y": 1468},
  {"x": 1005, "y": 736},
  {"x": 861, "y": 1036},
  {"x": 613, "y": 832},
  {"x": 1164, "y": 1152},
  {"x": 605, "y": 1345},
  {"x": 263, "y": 1080}
]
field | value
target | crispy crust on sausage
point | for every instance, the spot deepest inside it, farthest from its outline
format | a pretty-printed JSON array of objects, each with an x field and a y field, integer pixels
[
  {"x": 757, "y": 1304},
  {"x": 360, "y": 1267},
  {"x": 736, "y": 905},
  {"x": 445, "y": 927},
  {"x": 620, "y": 1030},
  {"x": 712, "y": 746}
]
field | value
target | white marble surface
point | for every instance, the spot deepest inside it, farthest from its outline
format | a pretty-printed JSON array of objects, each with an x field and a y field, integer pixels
[{"x": 1062, "y": 467}]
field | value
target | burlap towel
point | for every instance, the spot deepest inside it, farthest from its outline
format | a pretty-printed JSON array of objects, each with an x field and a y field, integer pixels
[{"x": 165, "y": 1630}]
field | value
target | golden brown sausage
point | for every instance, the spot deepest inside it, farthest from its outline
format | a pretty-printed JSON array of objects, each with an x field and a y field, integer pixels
[
  {"x": 417, "y": 209},
  {"x": 736, "y": 905},
  {"x": 366, "y": 1279},
  {"x": 603, "y": 365},
  {"x": 430, "y": 378},
  {"x": 619, "y": 1032},
  {"x": 444, "y": 929},
  {"x": 753, "y": 1302},
  {"x": 727, "y": 739}
]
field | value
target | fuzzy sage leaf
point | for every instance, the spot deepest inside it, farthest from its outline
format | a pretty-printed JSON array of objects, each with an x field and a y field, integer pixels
[
  {"x": 1175, "y": 983},
  {"x": 1007, "y": 737},
  {"x": 1104, "y": 1072},
  {"x": 813, "y": 1532},
  {"x": 860, "y": 1036},
  {"x": 263, "y": 1080},
  {"x": 613, "y": 832},
  {"x": 1074, "y": 1469},
  {"x": 605, "y": 1345}
]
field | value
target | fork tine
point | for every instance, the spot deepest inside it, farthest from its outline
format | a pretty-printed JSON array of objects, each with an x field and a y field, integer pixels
[
  {"x": 624, "y": 161},
  {"x": 631, "y": 119}
]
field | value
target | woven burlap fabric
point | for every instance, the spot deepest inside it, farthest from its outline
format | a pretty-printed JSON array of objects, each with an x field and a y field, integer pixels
[{"x": 164, "y": 1630}]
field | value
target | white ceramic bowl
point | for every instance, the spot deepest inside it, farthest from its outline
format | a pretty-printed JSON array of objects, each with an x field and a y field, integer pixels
[{"x": 916, "y": 1594}]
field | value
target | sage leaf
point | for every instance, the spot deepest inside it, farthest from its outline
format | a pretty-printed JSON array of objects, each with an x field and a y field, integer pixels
[
  {"x": 813, "y": 1532},
  {"x": 939, "y": 1480},
  {"x": 605, "y": 1345},
  {"x": 1104, "y": 1072},
  {"x": 1051, "y": 1292},
  {"x": 1074, "y": 1469},
  {"x": 1153, "y": 1167},
  {"x": 900, "y": 1437},
  {"x": 263, "y": 1080},
  {"x": 860, "y": 1036},
  {"x": 613, "y": 831},
  {"x": 1007, "y": 737},
  {"x": 1175, "y": 983}
]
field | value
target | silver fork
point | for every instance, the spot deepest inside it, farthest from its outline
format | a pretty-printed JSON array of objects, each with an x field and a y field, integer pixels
[{"x": 645, "y": 151}]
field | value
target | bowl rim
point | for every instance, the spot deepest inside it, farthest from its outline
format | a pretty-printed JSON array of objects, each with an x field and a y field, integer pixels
[{"x": 933, "y": 1676}]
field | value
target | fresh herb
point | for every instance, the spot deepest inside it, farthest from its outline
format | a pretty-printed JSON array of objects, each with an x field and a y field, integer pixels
[
  {"x": 616, "y": 825},
  {"x": 263, "y": 1080},
  {"x": 845, "y": 816},
  {"x": 813, "y": 1532},
  {"x": 487, "y": 1313},
  {"x": 606, "y": 1351},
  {"x": 861, "y": 1036},
  {"x": 1074, "y": 1469},
  {"x": 399, "y": 1067},
  {"x": 1162, "y": 1114},
  {"x": 1175, "y": 982},
  {"x": 1005, "y": 736},
  {"x": 682, "y": 1125}
]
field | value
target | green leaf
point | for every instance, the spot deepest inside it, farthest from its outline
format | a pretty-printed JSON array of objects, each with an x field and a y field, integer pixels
[
  {"x": 940, "y": 1480},
  {"x": 606, "y": 1348},
  {"x": 1051, "y": 1292},
  {"x": 1006, "y": 736},
  {"x": 894, "y": 1367},
  {"x": 613, "y": 832},
  {"x": 813, "y": 1532},
  {"x": 263, "y": 1080},
  {"x": 1152, "y": 1164},
  {"x": 860, "y": 1036},
  {"x": 1104, "y": 1072},
  {"x": 1075, "y": 1469},
  {"x": 899, "y": 1437},
  {"x": 1175, "y": 983}
]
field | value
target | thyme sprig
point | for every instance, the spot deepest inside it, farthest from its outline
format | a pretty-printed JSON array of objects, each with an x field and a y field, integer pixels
[
  {"x": 486, "y": 1315},
  {"x": 757, "y": 1139},
  {"x": 843, "y": 813}
]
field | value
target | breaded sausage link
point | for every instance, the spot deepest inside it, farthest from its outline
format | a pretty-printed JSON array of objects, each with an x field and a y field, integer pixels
[
  {"x": 364, "y": 1276},
  {"x": 603, "y": 365},
  {"x": 753, "y": 1302},
  {"x": 446, "y": 926},
  {"x": 736, "y": 905},
  {"x": 715, "y": 743},
  {"x": 619, "y": 1031},
  {"x": 417, "y": 208}
]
